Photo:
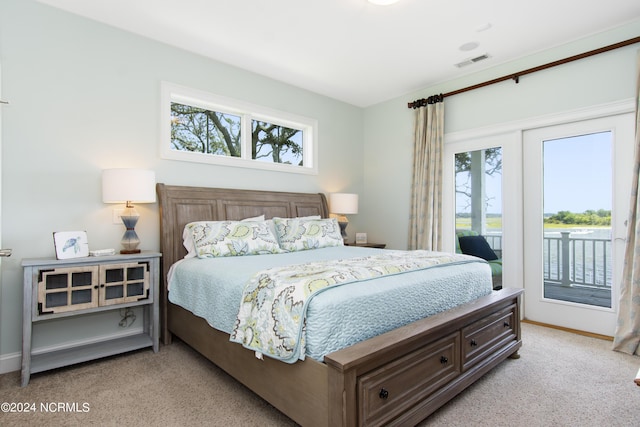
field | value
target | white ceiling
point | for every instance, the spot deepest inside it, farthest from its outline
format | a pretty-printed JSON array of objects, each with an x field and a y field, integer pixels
[{"x": 355, "y": 51}]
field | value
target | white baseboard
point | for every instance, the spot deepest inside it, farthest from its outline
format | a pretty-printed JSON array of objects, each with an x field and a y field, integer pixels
[
  {"x": 13, "y": 361},
  {"x": 10, "y": 362}
]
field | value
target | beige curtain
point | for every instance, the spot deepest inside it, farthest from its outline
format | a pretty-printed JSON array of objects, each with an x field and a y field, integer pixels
[
  {"x": 627, "y": 336},
  {"x": 425, "y": 226}
]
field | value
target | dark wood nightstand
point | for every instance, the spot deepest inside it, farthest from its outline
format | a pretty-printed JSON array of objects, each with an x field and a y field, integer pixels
[{"x": 368, "y": 245}]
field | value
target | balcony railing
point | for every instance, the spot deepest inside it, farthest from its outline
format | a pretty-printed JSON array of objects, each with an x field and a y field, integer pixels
[
  {"x": 577, "y": 261},
  {"x": 576, "y": 269},
  {"x": 572, "y": 261}
]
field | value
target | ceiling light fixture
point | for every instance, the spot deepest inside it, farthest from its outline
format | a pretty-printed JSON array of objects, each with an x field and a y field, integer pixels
[
  {"x": 383, "y": 2},
  {"x": 468, "y": 46}
]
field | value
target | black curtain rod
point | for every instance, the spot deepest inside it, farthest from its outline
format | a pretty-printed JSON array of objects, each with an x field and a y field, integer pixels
[{"x": 516, "y": 76}]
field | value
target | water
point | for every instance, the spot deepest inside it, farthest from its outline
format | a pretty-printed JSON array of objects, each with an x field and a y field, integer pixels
[
  {"x": 582, "y": 268},
  {"x": 590, "y": 260},
  {"x": 580, "y": 233}
]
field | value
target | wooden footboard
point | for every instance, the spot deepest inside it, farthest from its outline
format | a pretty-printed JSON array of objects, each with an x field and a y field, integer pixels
[
  {"x": 401, "y": 377},
  {"x": 397, "y": 378}
]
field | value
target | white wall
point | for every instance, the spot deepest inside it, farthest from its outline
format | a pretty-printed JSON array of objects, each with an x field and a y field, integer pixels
[
  {"x": 388, "y": 127},
  {"x": 85, "y": 97}
]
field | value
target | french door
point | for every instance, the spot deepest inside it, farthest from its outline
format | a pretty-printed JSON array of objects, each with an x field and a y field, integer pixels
[
  {"x": 492, "y": 207},
  {"x": 576, "y": 188}
]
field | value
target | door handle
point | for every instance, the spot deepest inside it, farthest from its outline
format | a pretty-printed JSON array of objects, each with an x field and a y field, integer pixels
[{"x": 5, "y": 252}]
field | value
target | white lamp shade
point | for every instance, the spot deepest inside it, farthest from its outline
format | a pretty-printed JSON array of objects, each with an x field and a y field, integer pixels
[
  {"x": 343, "y": 203},
  {"x": 128, "y": 185}
]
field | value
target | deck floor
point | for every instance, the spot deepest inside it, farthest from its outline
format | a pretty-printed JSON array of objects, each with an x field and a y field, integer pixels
[{"x": 579, "y": 294}]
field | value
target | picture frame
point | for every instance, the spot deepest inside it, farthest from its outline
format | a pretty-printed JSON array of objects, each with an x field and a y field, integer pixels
[
  {"x": 361, "y": 238},
  {"x": 71, "y": 244}
]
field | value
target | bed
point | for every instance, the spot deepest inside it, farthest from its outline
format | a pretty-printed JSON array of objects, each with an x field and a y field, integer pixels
[{"x": 395, "y": 378}]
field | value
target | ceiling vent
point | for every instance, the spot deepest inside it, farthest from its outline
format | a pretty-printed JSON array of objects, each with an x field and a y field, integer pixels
[{"x": 472, "y": 60}]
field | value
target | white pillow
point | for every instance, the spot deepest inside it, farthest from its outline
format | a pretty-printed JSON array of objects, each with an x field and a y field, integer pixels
[{"x": 187, "y": 239}]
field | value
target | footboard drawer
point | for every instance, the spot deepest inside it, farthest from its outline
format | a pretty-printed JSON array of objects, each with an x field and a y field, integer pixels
[
  {"x": 388, "y": 391},
  {"x": 486, "y": 336}
]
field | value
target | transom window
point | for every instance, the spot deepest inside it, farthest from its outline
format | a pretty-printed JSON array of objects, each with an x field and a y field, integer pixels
[{"x": 207, "y": 128}]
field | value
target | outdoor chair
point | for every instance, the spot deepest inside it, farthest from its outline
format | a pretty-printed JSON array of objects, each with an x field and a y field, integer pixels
[{"x": 471, "y": 243}]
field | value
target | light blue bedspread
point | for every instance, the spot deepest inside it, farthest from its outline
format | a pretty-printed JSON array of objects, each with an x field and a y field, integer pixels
[{"x": 338, "y": 317}]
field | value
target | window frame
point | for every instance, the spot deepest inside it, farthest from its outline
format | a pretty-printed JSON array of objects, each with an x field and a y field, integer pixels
[{"x": 248, "y": 112}]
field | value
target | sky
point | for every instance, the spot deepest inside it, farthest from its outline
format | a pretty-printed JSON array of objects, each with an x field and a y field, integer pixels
[{"x": 577, "y": 173}]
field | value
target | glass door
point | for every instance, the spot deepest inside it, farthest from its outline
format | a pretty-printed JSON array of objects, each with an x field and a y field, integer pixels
[
  {"x": 478, "y": 206},
  {"x": 481, "y": 194},
  {"x": 577, "y": 180}
]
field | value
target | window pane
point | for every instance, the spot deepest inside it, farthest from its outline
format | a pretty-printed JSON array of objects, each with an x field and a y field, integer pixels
[
  {"x": 479, "y": 200},
  {"x": 479, "y": 191},
  {"x": 577, "y": 202},
  {"x": 276, "y": 144},
  {"x": 199, "y": 130},
  {"x": 207, "y": 128}
]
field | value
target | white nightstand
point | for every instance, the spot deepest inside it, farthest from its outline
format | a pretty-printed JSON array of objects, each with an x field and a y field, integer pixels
[{"x": 58, "y": 289}]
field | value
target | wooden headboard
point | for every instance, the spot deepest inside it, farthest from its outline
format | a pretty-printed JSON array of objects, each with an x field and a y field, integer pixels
[{"x": 181, "y": 205}]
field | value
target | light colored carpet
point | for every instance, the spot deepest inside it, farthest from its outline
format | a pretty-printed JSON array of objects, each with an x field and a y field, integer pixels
[{"x": 561, "y": 379}]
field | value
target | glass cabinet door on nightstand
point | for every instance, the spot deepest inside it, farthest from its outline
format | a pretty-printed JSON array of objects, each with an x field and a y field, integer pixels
[
  {"x": 67, "y": 289},
  {"x": 120, "y": 283},
  {"x": 76, "y": 288}
]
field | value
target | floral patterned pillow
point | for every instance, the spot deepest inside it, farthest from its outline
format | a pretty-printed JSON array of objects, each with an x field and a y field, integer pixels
[
  {"x": 232, "y": 238},
  {"x": 298, "y": 234},
  {"x": 187, "y": 238}
]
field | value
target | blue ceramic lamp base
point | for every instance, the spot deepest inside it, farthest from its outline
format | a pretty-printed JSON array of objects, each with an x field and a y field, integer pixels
[{"x": 130, "y": 240}]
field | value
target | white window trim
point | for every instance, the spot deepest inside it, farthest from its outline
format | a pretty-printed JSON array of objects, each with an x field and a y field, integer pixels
[{"x": 170, "y": 92}]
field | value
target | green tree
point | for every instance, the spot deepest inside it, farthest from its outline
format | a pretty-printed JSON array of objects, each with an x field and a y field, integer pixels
[
  {"x": 493, "y": 165},
  {"x": 200, "y": 130},
  {"x": 493, "y": 161},
  {"x": 204, "y": 131},
  {"x": 589, "y": 217},
  {"x": 276, "y": 141}
]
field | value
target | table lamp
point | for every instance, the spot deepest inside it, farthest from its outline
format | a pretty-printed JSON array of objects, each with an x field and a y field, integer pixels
[
  {"x": 342, "y": 204},
  {"x": 129, "y": 186}
]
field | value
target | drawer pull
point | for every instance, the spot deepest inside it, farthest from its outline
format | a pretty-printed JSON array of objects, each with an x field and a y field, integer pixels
[
  {"x": 507, "y": 325},
  {"x": 473, "y": 343},
  {"x": 383, "y": 394},
  {"x": 444, "y": 360}
]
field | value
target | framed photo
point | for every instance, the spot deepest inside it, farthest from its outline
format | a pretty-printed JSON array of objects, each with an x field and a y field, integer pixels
[
  {"x": 71, "y": 244},
  {"x": 361, "y": 238}
]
